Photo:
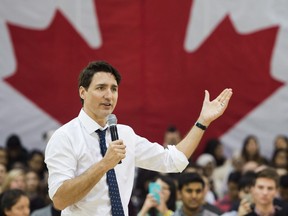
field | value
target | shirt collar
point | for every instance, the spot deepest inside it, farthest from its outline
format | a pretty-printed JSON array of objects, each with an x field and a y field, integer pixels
[{"x": 90, "y": 125}]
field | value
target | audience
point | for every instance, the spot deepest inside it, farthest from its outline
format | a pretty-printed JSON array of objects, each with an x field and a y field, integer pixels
[
  {"x": 264, "y": 192},
  {"x": 228, "y": 183}
]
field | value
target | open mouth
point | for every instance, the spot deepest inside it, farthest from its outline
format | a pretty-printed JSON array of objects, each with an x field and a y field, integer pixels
[{"x": 107, "y": 104}]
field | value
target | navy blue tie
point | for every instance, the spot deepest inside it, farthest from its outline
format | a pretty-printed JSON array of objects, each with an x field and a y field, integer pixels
[{"x": 116, "y": 204}]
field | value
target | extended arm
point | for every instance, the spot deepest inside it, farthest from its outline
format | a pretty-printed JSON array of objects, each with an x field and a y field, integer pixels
[{"x": 211, "y": 110}]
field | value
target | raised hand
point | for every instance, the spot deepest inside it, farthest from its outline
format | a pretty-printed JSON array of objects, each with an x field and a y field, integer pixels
[{"x": 211, "y": 110}]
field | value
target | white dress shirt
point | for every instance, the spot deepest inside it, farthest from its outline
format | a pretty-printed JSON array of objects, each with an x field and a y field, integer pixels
[{"x": 74, "y": 147}]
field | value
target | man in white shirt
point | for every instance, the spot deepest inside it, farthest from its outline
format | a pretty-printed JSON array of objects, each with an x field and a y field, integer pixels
[{"x": 77, "y": 169}]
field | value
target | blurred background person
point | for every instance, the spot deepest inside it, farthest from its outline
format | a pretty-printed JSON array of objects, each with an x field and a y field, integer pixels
[
  {"x": 283, "y": 189},
  {"x": 14, "y": 202},
  {"x": 172, "y": 136},
  {"x": 34, "y": 191},
  {"x": 251, "y": 151},
  {"x": 208, "y": 164},
  {"x": 3, "y": 173},
  {"x": 191, "y": 189},
  {"x": 281, "y": 142},
  {"x": 16, "y": 153},
  {"x": 221, "y": 174},
  {"x": 167, "y": 204},
  {"x": 264, "y": 193},
  {"x": 215, "y": 148},
  {"x": 232, "y": 195},
  {"x": 3, "y": 156},
  {"x": 279, "y": 161},
  {"x": 15, "y": 179},
  {"x": 35, "y": 162}
]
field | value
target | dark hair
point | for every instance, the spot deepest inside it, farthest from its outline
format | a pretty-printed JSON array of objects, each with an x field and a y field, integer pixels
[
  {"x": 187, "y": 178},
  {"x": 245, "y": 154},
  {"x": 35, "y": 152},
  {"x": 171, "y": 128},
  {"x": 9, "y": 198},
  {"x": 284, "y": 181},
  {"x": 274, "y": 156},
  {"x": 88, "y": 72},
  {"x": 13, "y": 142},
  {"x": 281, "y": 136},
  {"x": 234, "y": 177},
  {"x": 171, "y": 202},
  {"x": 211, "y": 146},
  {"x": 247, "y": 180},
  {"x": 269, "y": 173}
]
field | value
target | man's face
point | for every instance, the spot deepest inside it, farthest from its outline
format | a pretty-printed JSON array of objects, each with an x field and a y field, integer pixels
[
  {"x": 101, "y": 97},
  {"x": 192, "y": 196},
  {"x": 264, "y": 191}
]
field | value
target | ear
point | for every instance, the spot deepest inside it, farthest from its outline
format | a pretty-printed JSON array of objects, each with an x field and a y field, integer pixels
[
  {"x": 6, "y": 211},
  {"x": 82, "y": 91}
]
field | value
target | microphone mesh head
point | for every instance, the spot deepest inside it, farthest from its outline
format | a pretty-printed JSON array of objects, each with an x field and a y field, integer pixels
[{"x": 112, "y": 120}]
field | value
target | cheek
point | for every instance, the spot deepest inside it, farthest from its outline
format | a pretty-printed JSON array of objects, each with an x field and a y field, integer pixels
[{"x": 167, "y": 195}]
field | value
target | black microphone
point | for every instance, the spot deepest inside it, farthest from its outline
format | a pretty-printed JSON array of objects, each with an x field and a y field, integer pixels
[{"x": 112, "y": 122}]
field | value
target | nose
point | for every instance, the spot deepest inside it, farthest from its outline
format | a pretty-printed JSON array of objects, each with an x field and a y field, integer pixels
[
  {"x": 108, "y": 94},
  {"x": 193, "y": 195}
]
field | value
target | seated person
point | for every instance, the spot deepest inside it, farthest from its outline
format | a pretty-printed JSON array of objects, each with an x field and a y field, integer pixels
[{"x": 191, "y": 187}]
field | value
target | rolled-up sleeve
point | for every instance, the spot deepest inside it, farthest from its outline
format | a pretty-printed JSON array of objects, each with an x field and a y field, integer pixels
[
  {"x": 178, "y": 157},
  {"x": 153, "y": 156},
  {"x": 60, "y": 162}
]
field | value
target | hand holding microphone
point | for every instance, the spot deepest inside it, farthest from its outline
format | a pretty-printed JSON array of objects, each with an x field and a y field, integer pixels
[{"x": 112, "y": 123}]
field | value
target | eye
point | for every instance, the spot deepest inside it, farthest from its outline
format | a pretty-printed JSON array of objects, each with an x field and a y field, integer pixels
[{"x": 100, "y": 88}]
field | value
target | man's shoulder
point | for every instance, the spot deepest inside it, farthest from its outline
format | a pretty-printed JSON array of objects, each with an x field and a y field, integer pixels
[{"x": 74, "y": 123}]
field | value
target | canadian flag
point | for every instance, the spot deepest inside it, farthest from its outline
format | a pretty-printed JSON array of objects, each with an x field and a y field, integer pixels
[{"x": 168, "y": 53}]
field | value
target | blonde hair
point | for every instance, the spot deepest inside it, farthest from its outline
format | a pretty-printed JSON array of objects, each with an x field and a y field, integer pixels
[{"x": 11, "y": 176}]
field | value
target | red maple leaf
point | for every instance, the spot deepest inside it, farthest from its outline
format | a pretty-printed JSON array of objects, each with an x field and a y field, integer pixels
[{"x": 162, "y": 84}]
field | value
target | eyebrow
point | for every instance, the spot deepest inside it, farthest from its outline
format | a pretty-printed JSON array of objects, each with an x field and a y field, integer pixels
[{"x": 104, "y": 84}]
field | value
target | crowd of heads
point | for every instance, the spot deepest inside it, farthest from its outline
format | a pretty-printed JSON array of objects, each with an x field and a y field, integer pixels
[
  {"x": 23, "y": 178},
  {"x": 216, "y": 183},
  {"x": 212, "y": 182}
]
